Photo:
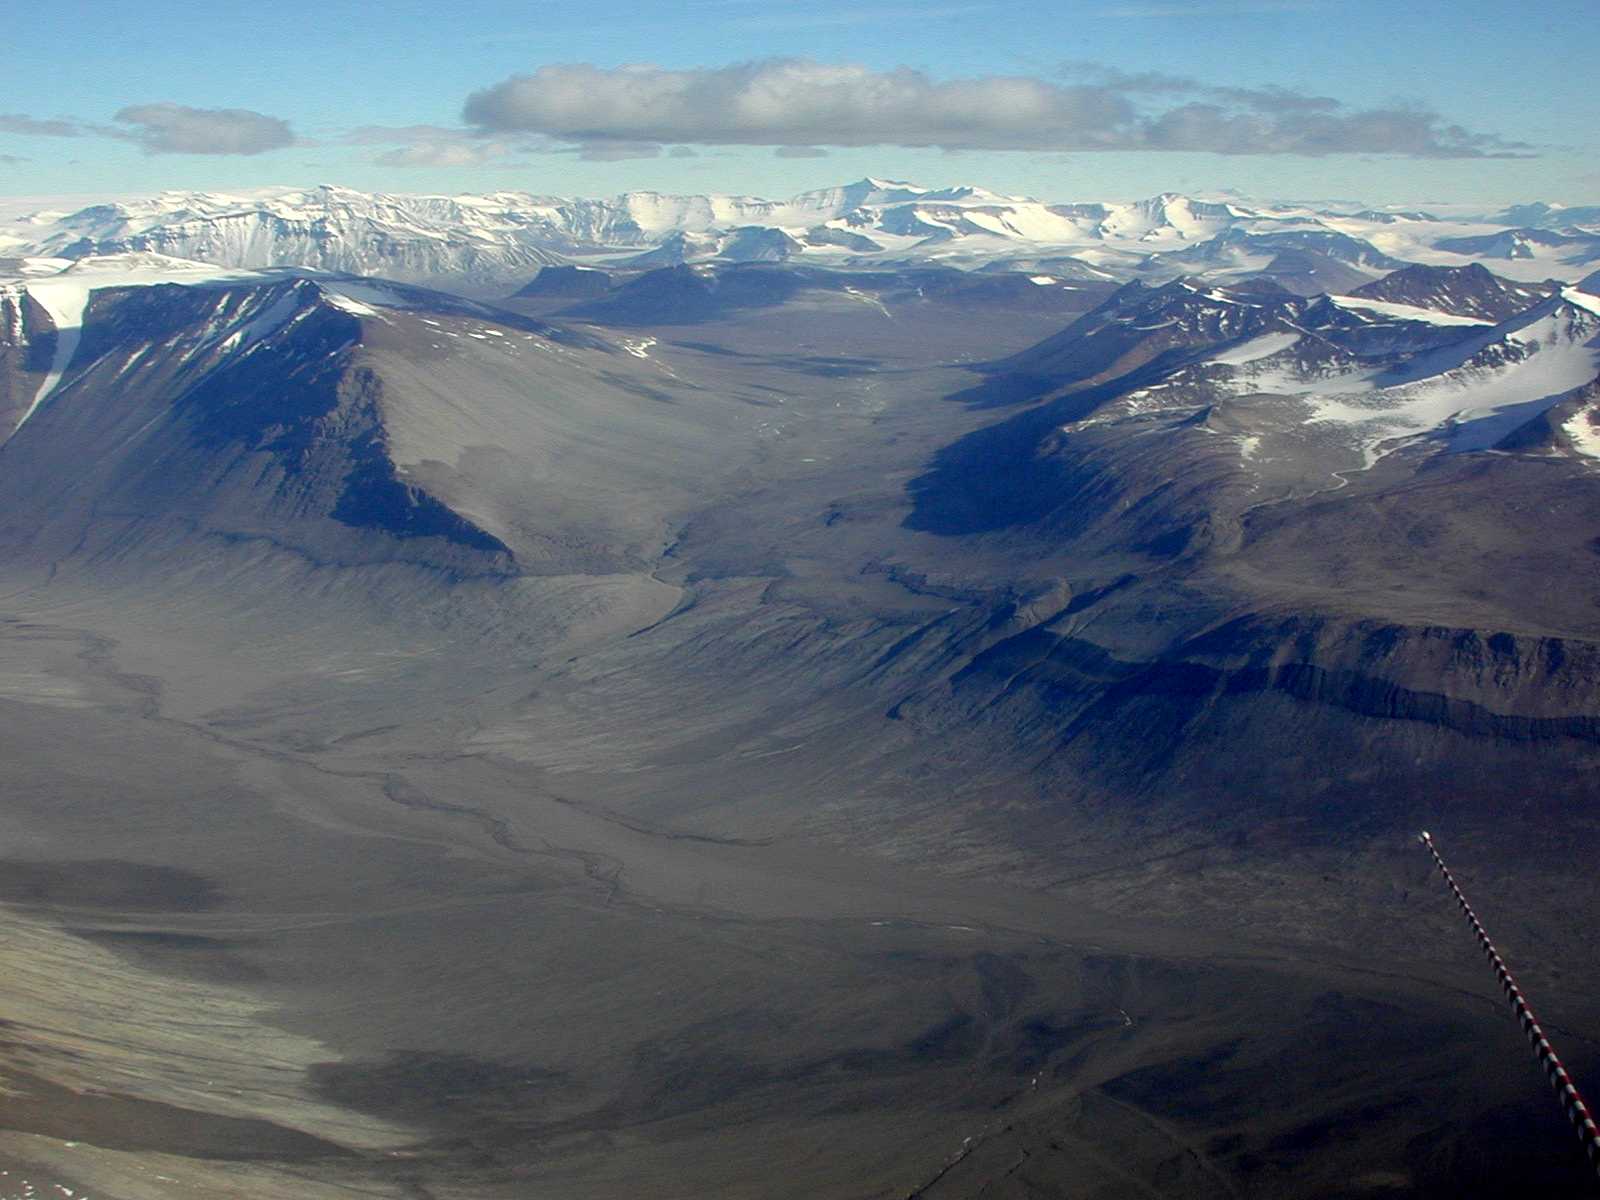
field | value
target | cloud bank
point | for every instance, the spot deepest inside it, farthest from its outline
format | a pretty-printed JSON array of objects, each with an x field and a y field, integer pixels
[
  {"x": 799, "y": 102},
  {"x": 176, "y": 129},
  {"x": 444, "y": 146},
  {"x": 35, "y": 127},
  {"x": 442, "y": 154}
]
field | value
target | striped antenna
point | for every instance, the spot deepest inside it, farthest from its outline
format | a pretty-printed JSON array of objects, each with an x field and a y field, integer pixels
[{"x": 1577, "y": 1112}]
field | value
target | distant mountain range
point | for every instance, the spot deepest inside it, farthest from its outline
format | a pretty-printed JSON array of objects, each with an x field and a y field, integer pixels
[{"x": 488, "y": 242}]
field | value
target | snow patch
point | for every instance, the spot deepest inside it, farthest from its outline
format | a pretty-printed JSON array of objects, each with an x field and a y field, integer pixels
[
  {"x": 1581, "y": 299},
  {"x": 1585, "y": 434},
  {"x": 1477, "y": 404},
  {"x": 1405, "y": 312},
  {"x": 367, "y": 295},
  {"x": 866, "y": 299},
  {"x": 354, "y": 307},
  {"x": 43, "y": 266},
  {"x": 1264, "y": 346},
  {"x": 263, "y": 325}
]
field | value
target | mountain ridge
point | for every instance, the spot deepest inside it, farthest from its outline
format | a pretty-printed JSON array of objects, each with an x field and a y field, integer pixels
[{"x": 492, "y": 240}]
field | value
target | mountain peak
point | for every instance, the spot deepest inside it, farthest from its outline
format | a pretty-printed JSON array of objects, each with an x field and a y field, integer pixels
[{"x": 1466, "y": 291}]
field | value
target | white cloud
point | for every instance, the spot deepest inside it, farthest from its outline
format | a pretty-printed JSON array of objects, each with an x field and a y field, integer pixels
[
  {"x": 439, "y": 145},
  {"x": 177, "y": 129},
  {"x": 788, "y": 102},
  {"x": 801, "y": 103},
  {"x": 442, "y": 154}
]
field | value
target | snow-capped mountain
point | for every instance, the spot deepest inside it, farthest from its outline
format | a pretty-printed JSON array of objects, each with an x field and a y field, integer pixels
[
  {"x": 1528, "y": 243},
  {"x": 1333, "y": 384},
  {"x": 1553, "y": 216},
  {"x": 331, "y": 229},
  {"x": 1470, "y": 291},
  {"x": 486, "y": 242},
  {"x": 1468, "y": 393}
]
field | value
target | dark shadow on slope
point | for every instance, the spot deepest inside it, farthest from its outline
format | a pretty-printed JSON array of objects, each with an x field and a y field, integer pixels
[
  {"x": 998, "y": 477},
  {"x": 374, "y": 497}
]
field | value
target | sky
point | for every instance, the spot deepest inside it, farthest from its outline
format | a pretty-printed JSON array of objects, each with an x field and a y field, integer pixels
[{"x": 1382, "y": 101}]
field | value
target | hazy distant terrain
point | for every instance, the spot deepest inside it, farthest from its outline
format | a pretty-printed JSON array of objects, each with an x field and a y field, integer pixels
[{"x": 833, "y": 725}]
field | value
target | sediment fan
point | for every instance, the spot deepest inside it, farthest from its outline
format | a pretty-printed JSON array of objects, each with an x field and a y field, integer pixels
[{"x": 1571, "y": 1102}]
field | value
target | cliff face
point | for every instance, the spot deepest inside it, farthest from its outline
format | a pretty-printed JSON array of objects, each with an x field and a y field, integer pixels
[
  {"x": 1266, "y": 734},
  {"x": 28, "y": 342},
  {"x": 1477, "y": 683}
]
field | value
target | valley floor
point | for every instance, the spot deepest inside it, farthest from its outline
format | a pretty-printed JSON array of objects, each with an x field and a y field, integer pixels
[{"x": 369, "y": 969}]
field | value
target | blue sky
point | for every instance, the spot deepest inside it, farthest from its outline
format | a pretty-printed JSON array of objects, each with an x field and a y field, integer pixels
[{"x": 1398, "y": 102}]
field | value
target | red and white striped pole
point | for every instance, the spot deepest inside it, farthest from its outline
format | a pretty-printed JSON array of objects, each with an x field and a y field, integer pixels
[{"x": 1577, "y": 1112}]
